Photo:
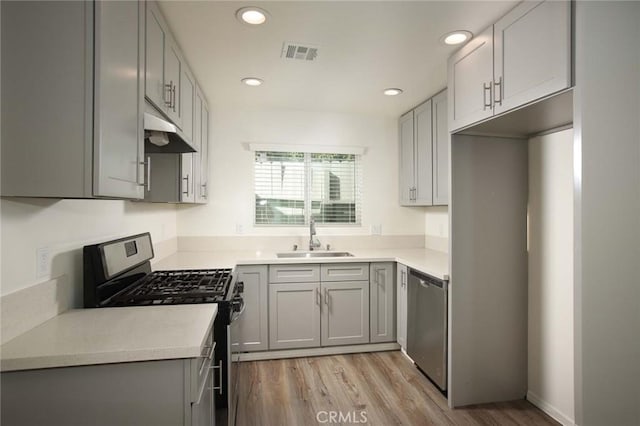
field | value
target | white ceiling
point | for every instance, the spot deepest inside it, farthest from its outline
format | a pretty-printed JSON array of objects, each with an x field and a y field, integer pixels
[{"x": 364, "y": 47}]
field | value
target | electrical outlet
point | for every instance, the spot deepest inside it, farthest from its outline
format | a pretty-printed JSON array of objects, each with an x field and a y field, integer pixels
[
  {"x": 42, "y": 262},
  {"x": 239, "y": 229},
  {"x": 376, "y": 229}
]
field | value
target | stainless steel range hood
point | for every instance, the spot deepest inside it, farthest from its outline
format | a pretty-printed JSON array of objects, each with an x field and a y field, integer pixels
[{"x": 161, "y": 136}]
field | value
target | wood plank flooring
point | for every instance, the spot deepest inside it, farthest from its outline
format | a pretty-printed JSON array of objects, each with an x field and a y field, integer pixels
[{"x": 385, "y": 386}]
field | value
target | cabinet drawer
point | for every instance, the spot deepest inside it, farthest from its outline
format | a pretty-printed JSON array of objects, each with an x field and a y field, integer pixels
[
  {"x": 200, "y": 368},
  {"x": 294, "y": 273},
  {"x": 345, "y": 272}
]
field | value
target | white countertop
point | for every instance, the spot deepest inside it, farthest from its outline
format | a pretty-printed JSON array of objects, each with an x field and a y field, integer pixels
[
  {"x": 111, "y": 335},
  {"x": 431, "y": 262}
]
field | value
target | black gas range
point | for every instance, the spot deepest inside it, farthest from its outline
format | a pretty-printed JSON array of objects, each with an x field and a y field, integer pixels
[{"x": 118, "y": 273}]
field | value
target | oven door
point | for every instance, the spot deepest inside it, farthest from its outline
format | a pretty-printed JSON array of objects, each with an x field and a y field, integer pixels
[{"x": 233, "y": 365}]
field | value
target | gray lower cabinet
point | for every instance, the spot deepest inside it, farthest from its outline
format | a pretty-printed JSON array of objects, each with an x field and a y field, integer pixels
[
  {"x": 251, "y": 329},
  {"x": 71, "y": 121},
  {"x": 383, "y": 302},
  {"x": 345, "y": 313},
  {"x": 294, "y": 315},
  {"x": 166, "y": 392},
  {"x": 401, "y": 305}
]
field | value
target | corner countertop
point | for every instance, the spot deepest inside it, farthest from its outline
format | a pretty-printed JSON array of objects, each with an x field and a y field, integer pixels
[
  {"x": 431, "y": 262},
  {"x": 111, "y": 335}
]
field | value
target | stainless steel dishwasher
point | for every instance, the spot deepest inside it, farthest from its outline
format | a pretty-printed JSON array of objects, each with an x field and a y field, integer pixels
[{"x": 427, "y": 326}]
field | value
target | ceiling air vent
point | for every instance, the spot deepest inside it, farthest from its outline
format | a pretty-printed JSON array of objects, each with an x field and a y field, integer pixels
[{"x": 298, "y": 51}]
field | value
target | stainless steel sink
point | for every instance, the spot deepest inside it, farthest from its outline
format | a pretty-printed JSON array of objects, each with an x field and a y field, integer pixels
[{"x": 299, "y": 254}]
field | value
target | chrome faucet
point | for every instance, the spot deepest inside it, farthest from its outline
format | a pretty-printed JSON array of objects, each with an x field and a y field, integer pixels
[{"x": 313, "y": 241}]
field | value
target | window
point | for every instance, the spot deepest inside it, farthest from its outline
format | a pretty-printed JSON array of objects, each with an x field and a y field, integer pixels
[{"x": 291, "y": 187}]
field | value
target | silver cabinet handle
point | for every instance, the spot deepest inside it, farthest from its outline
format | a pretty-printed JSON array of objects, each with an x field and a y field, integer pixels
[
  {"x": 173, "y": 98},
  {"x": 318, "y": 297},
  {"x": 219, "y": 387},
  {"x": 168, "y": 89},
  {"x": 187, "y": 179},
  {"x": 204, "y": 190},
  {"x": 487, "y": 88},
  {"x": 326, "y": 297},
  {"x": 148, "y": 182},
  {"x": 495, "y": 96},
  {"x": 403, "y": 280}
]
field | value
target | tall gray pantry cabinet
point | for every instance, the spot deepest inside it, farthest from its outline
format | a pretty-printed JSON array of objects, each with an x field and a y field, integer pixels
[{"x": 72, "y": 99}]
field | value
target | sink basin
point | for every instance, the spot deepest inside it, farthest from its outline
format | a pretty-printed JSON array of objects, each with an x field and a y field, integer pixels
[{"x": 299, "y": 254}]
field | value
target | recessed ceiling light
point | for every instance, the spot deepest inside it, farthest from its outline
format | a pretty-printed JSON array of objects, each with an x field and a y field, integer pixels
[
  {"x": 456, "y": 37},
  {"x": 252, "y": 15},
  {"x": 252, "y": 81},
  {"x": 392, "y": 91}
]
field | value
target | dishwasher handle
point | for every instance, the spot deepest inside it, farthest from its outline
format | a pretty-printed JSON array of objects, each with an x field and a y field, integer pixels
[{"x": 427, "y": 281}]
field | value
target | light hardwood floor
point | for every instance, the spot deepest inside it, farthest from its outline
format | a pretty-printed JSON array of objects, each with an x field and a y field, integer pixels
[{"x": 385, "y": 386}]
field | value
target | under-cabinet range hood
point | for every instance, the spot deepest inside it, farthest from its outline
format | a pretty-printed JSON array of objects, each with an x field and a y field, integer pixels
[{"x": 161, "y": 136}]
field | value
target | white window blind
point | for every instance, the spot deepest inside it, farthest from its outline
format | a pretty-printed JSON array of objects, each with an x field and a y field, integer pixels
[{"x": 291, "y": 187}]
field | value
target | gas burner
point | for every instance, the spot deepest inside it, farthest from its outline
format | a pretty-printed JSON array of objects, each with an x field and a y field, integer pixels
[{"x": 177, "y": 287}]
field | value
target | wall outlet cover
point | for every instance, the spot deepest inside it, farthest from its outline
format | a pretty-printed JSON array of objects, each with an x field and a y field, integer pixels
[
  {"x": 376, "y": 229},
  {"x": 43, "y": 255},
  {"x": 239, "y": 229}
]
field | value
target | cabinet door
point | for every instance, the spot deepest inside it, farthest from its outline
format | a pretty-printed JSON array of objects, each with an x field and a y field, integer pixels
[
  {"x": 164, "y": 178},
  {"x": 204, "y": 156},
  {"x": 423, "y": 192},
  {"x": 202, "y": 411},
  {"x": 172, "y": 73},
  {"x": 118, "y": 129},
  {"x": 251, "y": 332},
  {"x": 294, "y": 315},
  {"x": 532, "y": 53},
  {"x": 187, "y": 194},
  {"x": 406, "y": 159},
  {"x": 470, "y": 75},
  {"x": 345, "y": 313},
  {"x": 154, "y": 57},
  {"x": 441, "y": 138},
  {"x": 383, "y": 302},
  {"x": 187, "y": 102},
  {"x": 401, "y": 306}
]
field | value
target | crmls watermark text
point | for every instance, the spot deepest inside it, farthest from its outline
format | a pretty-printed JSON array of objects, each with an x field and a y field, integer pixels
[{"x": 354, "y": 417}]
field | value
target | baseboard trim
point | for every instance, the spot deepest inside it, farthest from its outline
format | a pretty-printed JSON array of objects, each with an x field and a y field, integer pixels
[
  {"x": 549, "y": 409},
  {"x": 331, "y": 350}
]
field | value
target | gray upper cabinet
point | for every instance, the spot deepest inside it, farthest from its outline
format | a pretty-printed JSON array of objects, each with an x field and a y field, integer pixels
[
  {"x": 415, "y": 157},
  {"x": 441, "y": 142},
  {"x": 470, "y": 77},
  {"x": 424, "y": 154},
  {"x": 188, "y": 103},
  {"x": 251, "y": 329},
  {"x": 401, "y": 305},
  {"x": 154, "y": 53},
  {"x": 67, "y": 111},
  {"x": 345, "y": 313},
  {"x": 423, "y": 187},
  {"x": 202, "y": 190},
  {"x": 407, "y": 158},
  {"x": 163, "y": 68},
  {"x": 383, "y": 302},
  {"x": 524, "y": 57},
  {"x": 172, "y": 77},
  {"x": 532, "y": 53},
  {"x": 188, "y": 187}
]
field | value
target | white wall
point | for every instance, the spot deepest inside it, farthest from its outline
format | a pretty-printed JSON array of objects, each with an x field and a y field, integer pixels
[
  {"x": 607, "y": 190},
  {"x": 550, "y": 360},
  {"x": 231, "y": 171},
  {"x": 436, "y": 228},
  {"x": 64, "y": 226}
]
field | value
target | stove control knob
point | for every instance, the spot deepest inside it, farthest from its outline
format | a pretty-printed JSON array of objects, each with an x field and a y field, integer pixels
[
  {"x": 236, "y": 304},
  {"x": 240, "y": 287}
]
